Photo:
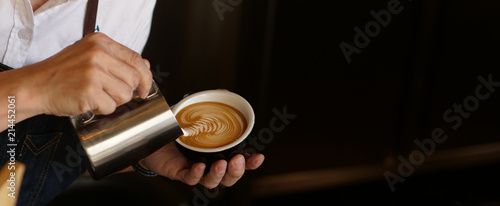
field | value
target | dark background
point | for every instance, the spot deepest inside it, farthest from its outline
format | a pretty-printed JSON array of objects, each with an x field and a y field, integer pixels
[{"x": 353, "y": 120}]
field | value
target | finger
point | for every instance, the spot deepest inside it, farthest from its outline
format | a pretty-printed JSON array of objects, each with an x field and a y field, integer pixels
[
  {"x": 213, "y": 178},
  {"x": 118, "y": 90},
  {"x": 124, "y": 72},
  {"x": 236, "y": 169},
  {"x": 193, "y": 175},
  {"x": 146, "y": 81},
  {"x": 254, "y": 161},
  {"x": 103, "y": 104},
  {"x": 135, "y": 60}
]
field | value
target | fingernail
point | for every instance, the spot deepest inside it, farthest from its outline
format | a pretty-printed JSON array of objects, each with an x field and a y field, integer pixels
[
  {"x": 144, "y": 95},
  {"x": 238, "y": 163},
  {"x": 201, "y": 169},
  {"x": 258, "y": 161},
  {"x": 147, "y": 63},
  {"x": 221, "y": 169}
]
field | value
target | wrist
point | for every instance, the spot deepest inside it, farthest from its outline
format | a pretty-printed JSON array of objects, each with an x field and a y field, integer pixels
[
  {"x": 30, "y": 94},
  {"x": 16, "y": 84}
]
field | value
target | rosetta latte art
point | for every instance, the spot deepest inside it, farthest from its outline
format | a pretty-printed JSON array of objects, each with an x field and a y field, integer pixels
[{"x": 210, "y": 124}]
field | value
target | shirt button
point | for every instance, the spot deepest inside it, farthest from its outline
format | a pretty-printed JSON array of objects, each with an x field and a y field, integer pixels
[{"x": 24, "y": 34}]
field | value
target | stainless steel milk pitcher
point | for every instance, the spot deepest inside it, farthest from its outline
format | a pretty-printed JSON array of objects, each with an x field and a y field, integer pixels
[{"x": 135, "y": 130}]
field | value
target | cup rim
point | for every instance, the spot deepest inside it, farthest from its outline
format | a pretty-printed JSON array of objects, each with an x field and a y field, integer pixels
[{"x": 250, "y": 120}]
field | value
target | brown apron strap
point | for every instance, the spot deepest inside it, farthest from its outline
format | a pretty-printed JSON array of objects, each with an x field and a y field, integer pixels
[{"x": 90, "y": 17}]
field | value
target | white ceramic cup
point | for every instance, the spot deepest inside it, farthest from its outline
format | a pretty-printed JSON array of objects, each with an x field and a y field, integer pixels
[{"x": 220, "y": 96}]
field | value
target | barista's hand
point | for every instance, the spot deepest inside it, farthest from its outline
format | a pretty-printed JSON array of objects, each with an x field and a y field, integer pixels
[
  {"x": 95, "y": 74},
  {"x": 169, "y": 162}
]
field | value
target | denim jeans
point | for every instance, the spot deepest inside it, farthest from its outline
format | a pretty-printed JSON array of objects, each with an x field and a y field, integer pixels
[{"x": 47, "y": 145}]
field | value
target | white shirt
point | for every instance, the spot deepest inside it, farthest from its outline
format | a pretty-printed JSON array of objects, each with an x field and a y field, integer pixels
[{"x": 27, "y": 37}]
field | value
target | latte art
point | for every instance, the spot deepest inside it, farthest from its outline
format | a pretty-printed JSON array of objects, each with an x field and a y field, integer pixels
[{"x": 210, "y": 124}]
